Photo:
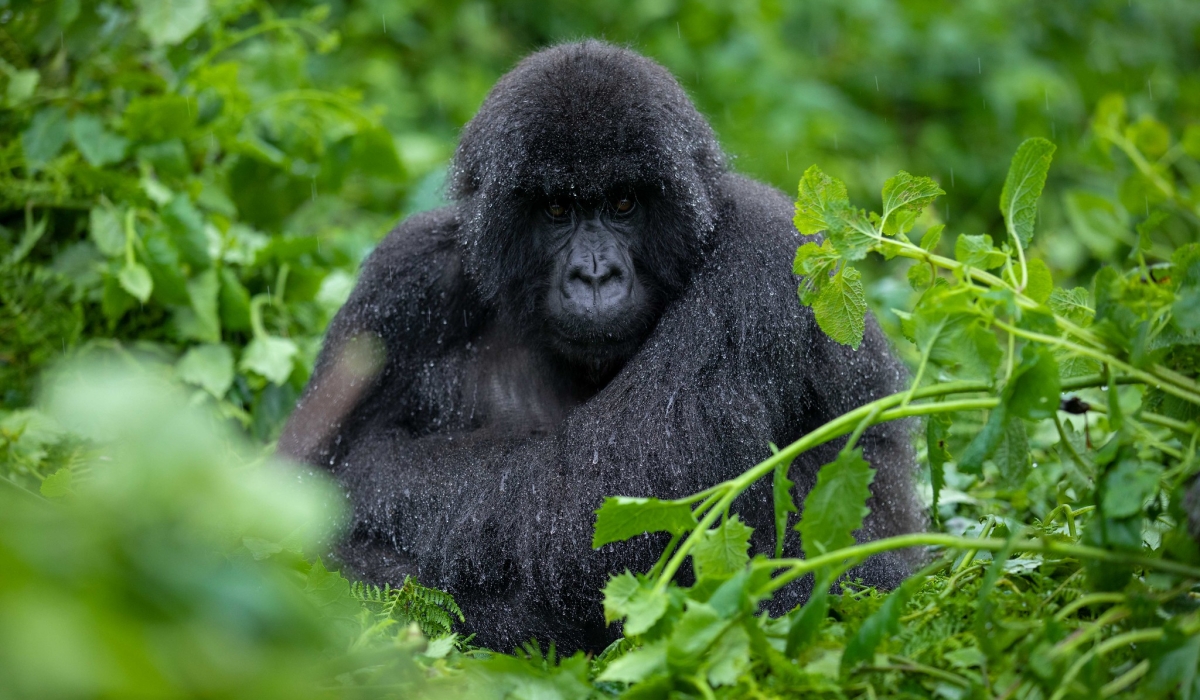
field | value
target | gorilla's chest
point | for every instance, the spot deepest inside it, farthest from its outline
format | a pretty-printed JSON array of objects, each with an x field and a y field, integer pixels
[{"x": 499, "y": 385}]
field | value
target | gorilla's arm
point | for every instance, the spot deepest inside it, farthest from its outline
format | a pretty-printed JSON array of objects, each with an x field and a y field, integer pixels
[{"x": 411, "y": 303}]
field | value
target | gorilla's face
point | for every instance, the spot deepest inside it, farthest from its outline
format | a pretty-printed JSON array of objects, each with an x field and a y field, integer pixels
[{"x": 597, "y": 306}]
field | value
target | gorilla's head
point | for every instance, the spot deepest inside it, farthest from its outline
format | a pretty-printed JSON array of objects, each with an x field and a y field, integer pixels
[{"x": 587, "y": 184}]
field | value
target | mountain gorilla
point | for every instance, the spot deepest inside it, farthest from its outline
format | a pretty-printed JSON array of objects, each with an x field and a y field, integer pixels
[{"x": 604, "y": 310}]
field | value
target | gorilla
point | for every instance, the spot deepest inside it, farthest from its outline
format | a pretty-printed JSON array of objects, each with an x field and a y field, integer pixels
[{"x": 604, "y": 309}]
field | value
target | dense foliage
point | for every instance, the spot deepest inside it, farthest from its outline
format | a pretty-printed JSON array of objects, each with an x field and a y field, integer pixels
[{"x": 187, "y": 186}]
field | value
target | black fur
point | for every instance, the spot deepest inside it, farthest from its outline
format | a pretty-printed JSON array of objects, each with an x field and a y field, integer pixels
[{"x": 475, "y": 455}]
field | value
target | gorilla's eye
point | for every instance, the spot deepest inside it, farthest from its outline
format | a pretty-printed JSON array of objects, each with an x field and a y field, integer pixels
[
  {"x": 556, "y": 208},
  {"x": 624, "y": 205}
]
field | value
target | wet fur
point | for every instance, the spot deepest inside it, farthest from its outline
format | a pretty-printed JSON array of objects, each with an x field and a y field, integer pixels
[{"x": 475, "y": 456}]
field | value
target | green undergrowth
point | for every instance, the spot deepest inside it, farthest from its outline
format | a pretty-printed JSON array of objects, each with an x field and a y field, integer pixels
[{"x": 184, "y": 198}]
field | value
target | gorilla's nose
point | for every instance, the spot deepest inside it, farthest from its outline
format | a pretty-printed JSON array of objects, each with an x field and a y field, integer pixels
[{"x": 596, "y": 282}]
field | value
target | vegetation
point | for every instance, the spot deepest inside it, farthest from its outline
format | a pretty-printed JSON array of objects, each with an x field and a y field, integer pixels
[{"x": 187, "y": 187}]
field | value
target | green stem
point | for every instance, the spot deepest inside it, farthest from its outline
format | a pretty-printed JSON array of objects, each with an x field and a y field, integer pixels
[
  {"x": 1086, "y": 600},
  {"x": 1132, "y": 637},
  {"x": 1104, "y": 358},
  {"x": 800, "y": 567}
]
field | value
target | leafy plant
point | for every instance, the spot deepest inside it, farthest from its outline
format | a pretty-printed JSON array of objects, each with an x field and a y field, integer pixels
[{"x": 1080, "y": 579}]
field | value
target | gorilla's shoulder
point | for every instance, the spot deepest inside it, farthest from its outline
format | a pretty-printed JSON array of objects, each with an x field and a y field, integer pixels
[
  {"x": 756, "y": 217},
  {"x": 413, "y": 240}
]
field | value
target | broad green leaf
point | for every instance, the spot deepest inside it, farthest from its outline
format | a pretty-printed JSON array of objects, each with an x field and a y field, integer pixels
[
  {"x": 98, "y": 145},
  {"x": 1128, "y": 487},
  {"x": 836, "y": 506},
  {"x": 920, "y": 276},
  {"x": 781, "y": 491},
  {"x": 884, "y": 622},
  {"x": 1072, "y": 304},
  {"x": 57, "y": 484},
  {"x": 1185, "y": 312},
  {"x": 1023, "y": 187},
  {"x": 699, "y": 627},
  {"x": 170, "y": 286},
  {"x": 21, "y": 86},
  {"x": 814, "y": 263},
  {"x": 627, "y": 596},
  {"x": 107, "y": 231},
  {"x": 637, "y": 665},
  {"x": 1040, "y": 284},
  {"x": 234, "y": 302},
  {"x": 841, "y": 307},
  {"x": 723, "y": 550},
  {"x": 729, "y": 657},
  {"x": 1012, "y": 456},
  {"x": 819, "y": 194},
  {"x": 168, "y": 22},
  {"x": 115, "y": 302},
  {"x": 186, "y": 225},
  {"x": 136, "y": 280},
  {"x": 1151, "y": 136},
  {"x": 978, "y": 252},
  {"x": 155, "y": 118},
  {"x": 1175, "y": 666},
  {"x": 985, "y": 442},
  {"x": 209, "y": 367},
  {"x": 852, "y": 232},
  {"x": 932, "y": 236},
  {"x": 45, "y": 137},
  {"x": 375, "y": 154},
  {"x": 907, "y": 192},
  {"x": 199, "y": 320},
  {"x": 1033, "y": 391},
  {"x": 270, "y": 356},
  {"x": 955, "y": 336},
  {"x": 622, "y": 517}
]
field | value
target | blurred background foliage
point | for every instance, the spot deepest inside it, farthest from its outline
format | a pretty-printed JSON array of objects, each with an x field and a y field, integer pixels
[{"x": 191, "y": 185}]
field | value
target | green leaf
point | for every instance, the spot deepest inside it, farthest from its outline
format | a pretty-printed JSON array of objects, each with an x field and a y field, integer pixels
[
  {"x": 1175, "y": 666},
  {"x": 622, "y": 517},
  {"x": 1072, "y": 304},
  {"x": 698, "y": 628},
  {"x": 723, "y": 550},
  {"x": 729, "y": 657},
  {"x": 57, "y": 484},
  {"x": 21, "y": 86},
  {"x": 199, "y": 320},
  {"x": 955, "y": 335},
  {"x": 932, "y": 236},
  {"x": 937, "y": 430},
  {"x": 836, "y": 506},
  {"x": 168, "y": 22},
  {"x": 985, "y": 442},
  {"x": 1033, "y": 391},
  {"x": 136, "y": 280},
  {"x": 1023, "y": 187},
  {"x": 1128, "y": 487},
  {"x": 841, "y": 307},
  {"x": 781, "y": 491},
  {"x": 234, "y": 302},
  {"x": 107, "y": 231},
  {"x": 920, "y": 276},
  {"x": 815, "y": 263},
  {"x": 818, "y": 195},
  {"x": 906, "y": 192},
  {"x": 806, "y": 622},
  {"x": 209, "y": 367},
  {"x": 637, "y": 665},
  {"x": 1040, "y": 284},
  {"x": 852, "y": 232},
  {"x": 98, "y": 145},
  {"x": 883, "y": 622},
  {"x": 186, "y": 225},
  {"x": 978, "y": 252},
  {"x": 45, "y": 137},
  {"x": 270, "y": 356},
  {"x": 633, "y": 598}
]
